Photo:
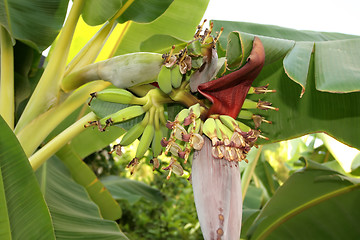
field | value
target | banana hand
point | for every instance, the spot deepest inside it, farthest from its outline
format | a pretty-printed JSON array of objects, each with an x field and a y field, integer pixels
[{"x": 135, "y": 132}]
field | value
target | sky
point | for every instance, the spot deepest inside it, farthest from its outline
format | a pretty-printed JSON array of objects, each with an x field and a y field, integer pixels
[{"x": 318, "y": 15}]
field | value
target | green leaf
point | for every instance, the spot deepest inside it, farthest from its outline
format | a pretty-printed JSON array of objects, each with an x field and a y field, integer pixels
[
  {"x": 179, "y": 21},
  {"x": 297, "y": 61},
  {"x": 74, "y": 215},
  {"x": 83, "y": 175},
  {"x": 92, "y": 140},
  {"x": 131, "y": 190},
  {"x": 23, "y": 212},
  {"x": 317, "y": 111},
  {"x": 97, "y": 12},
  {"x": 265, "y": 173},
  {"x": 144, "y": 11},
  {"x": 37, "y": 30},
  {"x": 314, "y": 199},
  {"x": 336, "y": 55},
  {"x": 253, "y": 197},
  {"x": 160, "y": 43},
  {"x": 337, "y": 66}
]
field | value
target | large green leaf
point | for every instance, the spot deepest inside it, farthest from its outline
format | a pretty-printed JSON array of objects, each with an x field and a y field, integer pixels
[
  {"x": 74, "y": 215},
  {"x": 97, "y": 12},
  {"x": 286, "y": 67},
  {"x": 317, "y": 199},
  {"x": 23, "y": 212},
  {"x": 179, "y": 21},
  {"x": 83, "y": 175},
  {"x": 131, "y": 190},
  {"x": 336, "y": 55},
  {"x": 37, "y": 30}
]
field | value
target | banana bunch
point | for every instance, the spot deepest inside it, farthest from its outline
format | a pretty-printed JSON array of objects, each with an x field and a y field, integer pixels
[
  {"x": 263, "y": 105},
  {"x": 173, "y": 70},
  {"x": 199, "y": 54},
  {"x": 231, "y": 139},
  {"x": 186, "y": 131},
  {"x": 150, "y": 130}
]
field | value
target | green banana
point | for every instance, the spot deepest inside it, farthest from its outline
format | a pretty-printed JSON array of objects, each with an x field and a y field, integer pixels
[
  {"x": 244, "y": 114},
  {"x": 182, "y": 115},
  {"x": 135, "y": 132},
  {"x": 195, "y": 109},
  {"x": 176, "y": 76},
  {"x": 224, "y": 130},
  {"x": 210, "y": 129},
  {"x": 117, "y": 95},
  {"x": 229, "y": 122},
  {"x": 146, "y": 137},
  {"x": 197, "y": 128},
  {"x": 243, "y": 127},
  {"x": 233, "y": 124},
  {"x": 122, "y": 115},
  {"x": 249, "y": 104},
  {"x": 164, "y": 79},
  {"x": 158, "y": 135}
]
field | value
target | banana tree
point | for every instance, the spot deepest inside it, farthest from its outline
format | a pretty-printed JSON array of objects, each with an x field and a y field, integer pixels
[{"x": 193, "y": 97}]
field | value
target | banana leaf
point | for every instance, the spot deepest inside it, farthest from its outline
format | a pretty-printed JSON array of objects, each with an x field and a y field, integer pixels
[
  {"x": 74, "y": 215},
  {"x": 84, "y": 176},
  {"x": 37, "y": 30},
  {"x": 23, "y": 211},
  {"x": 178, "y": 21},
  {"x": 317, "y": 199},
  {"x": 131, "y": 190},
  {"x": 97, "y": 12},
  {"x": 316, "y": 76}
]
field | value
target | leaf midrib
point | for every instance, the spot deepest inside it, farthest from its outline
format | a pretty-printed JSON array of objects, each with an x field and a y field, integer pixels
[{"x": 267, "y": 231}]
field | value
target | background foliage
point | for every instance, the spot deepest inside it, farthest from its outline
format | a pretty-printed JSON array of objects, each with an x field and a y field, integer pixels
[{"x": 82, "y": 191}]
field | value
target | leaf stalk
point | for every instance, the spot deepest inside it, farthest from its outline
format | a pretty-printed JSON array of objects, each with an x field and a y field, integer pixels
[
  {"x": 7, "y": 100},
  {"x": 38, "y": 158}
]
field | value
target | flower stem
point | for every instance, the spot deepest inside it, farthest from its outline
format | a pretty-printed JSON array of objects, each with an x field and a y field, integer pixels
[
  {"x": 7, "y": 102},
  {"x": 46, "y": 92},
  {"x": 248, "y": 173},
  {"x": 37, "y": 130},
  {"x": 38, "y": 158},
  {"x": 184, "y": 97}
]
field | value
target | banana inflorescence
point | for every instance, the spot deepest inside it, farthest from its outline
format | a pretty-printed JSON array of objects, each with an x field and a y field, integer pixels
[
  {"x": 150, "y": 130},
  {"x": 179, "y": 76},
  {"x": 184, "y": 137}
]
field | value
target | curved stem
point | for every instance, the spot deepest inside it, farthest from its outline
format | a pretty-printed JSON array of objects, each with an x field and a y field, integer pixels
[
  {"x": 141, "y": 90},
  {"x": 185, "y": 97},
  {"x": 37, "y": 130},
  {"x": 37, "y": 159},
  {"x": 7, "y": 101}
]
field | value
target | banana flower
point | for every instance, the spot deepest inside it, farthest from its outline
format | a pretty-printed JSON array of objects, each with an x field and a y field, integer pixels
[{"x": 216, "y": 182}]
